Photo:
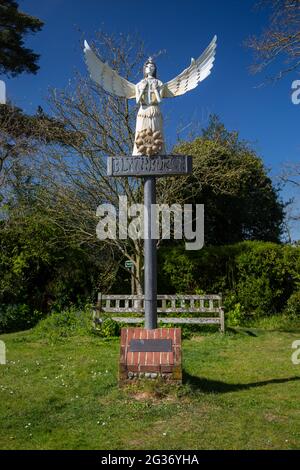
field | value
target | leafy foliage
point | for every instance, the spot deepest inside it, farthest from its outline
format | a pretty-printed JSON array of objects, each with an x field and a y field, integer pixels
[
  {"x": 228, "y": 177},
  {"x": 293, "y": 305},
  {"x": 257, "y": 278},
  {"x": 15, "y": 58},
  {"x": 65, "y": 323},
  {"x": 40, "y": 265},
  {"x": 17, "y": 317},
  {"x": 109, "y": 328}
]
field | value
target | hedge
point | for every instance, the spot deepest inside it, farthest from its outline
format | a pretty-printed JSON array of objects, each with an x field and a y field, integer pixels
[{"x": 259, "y": 276}]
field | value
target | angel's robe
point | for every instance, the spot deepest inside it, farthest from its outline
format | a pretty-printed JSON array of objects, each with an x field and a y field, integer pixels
[{"x": 149, "y": 115}]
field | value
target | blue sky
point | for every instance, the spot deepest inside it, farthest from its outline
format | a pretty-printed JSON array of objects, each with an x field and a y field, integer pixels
[{"x": 263, "y": 115}]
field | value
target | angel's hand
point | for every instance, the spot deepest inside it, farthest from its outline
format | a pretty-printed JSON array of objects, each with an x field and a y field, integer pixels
[{"x": 144, "y": 84}]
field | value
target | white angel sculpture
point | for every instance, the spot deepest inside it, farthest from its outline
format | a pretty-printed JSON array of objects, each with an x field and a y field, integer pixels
[{"x": 149, "y": 92}]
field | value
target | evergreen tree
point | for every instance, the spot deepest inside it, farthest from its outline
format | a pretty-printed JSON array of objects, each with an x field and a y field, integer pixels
[
  {"x": 15, "y": 58},
  {"x": 229, "y": 178}
]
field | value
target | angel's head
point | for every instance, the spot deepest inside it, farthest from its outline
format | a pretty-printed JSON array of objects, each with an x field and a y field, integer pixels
[{"x": 149, "y": 68}]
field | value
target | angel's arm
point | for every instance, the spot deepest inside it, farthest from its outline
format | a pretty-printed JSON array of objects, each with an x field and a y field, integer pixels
[
  {"x": 158, "y": 91},
  {"x": 140, "y": 88}
]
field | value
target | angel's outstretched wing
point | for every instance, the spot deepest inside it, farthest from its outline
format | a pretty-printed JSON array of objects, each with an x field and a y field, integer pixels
[
  {"x": 2, "y": 92},
  {"x": 195, "y": 73},
  {"x": 105, "y": 76}
]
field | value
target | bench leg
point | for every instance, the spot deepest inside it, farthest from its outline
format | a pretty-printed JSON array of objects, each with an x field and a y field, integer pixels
[{"x": 222, "y": 321}]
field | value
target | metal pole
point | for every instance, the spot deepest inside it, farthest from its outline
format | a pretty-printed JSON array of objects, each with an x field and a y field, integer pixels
[
  {"x": 150, "y": 260},
  {"x": 132, "y": 279}
]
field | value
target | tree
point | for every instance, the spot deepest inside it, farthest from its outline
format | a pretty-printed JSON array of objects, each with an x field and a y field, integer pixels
[
  {"x": 290, "y": 176},
  {"x": 281, "y": 38},
  {"x": 21, "y": 136},
  {"x": 232, "y": 183},
  {"x": 40, "y": 266},
  {"x": 15, "y": 58}
]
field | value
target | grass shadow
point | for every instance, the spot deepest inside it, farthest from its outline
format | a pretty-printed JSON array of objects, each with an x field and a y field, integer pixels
[
  {"x": 198, "y": 384},
  {"x": 240, "y": 331}
]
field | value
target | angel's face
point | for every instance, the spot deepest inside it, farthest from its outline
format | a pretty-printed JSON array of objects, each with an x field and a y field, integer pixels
[{"x": 150, "y": 70}]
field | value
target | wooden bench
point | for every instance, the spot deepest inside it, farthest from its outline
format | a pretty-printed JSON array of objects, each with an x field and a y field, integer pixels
[{"x": 166, "y": 304}]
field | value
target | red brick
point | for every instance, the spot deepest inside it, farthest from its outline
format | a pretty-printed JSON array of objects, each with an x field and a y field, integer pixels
[
  {"x": 137, "y": 360},
  {"x": 122, "y": 355},
  {"x": 156, "y": 358},
  {"x": 177, "y": 350},
  {"x": 137, "y": 333},
  {"x": 164, "y": 358},
  {"x": 130, "y": 333},
  {"x": 134, "y": 332},
  {"x": 151, "y": 334},
  {"x": 149, "y": 368},
  {"x": 170, "y": 358},
  {"x": 136, "y": 357},
  {"x": 142, "y": 333},
  {"x": 166, "y": 369},
  {"x": 123, "y": 336},
  {"x": 133, "y": 368},
  {"x": 142, "y": 358},
  {"x": 158, "y": 333},
  {"x": 177, "y": 336},
  {"x": 129, "y": 358},
  {"x": 150, "y": 359},
  {"x": 165, "y": 333}
]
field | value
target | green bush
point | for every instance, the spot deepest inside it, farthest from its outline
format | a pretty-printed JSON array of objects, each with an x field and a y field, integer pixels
[
  {"x": 17, "y": 317},
  {"x": 266, "y": 277},
  {"x": 259, "y": 276},
  {"x": 293, "y": 305},
  {"x": 110, "y": 328},
  {"x": 236, "y": 316},
  {"x": 69, "y": 322}
]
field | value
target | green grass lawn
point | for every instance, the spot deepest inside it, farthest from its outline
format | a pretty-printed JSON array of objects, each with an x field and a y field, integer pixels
[{"x": 240, "y": 391}]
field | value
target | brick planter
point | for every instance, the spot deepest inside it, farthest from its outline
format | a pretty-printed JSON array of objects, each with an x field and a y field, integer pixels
[{"x": 150, "y": 354}]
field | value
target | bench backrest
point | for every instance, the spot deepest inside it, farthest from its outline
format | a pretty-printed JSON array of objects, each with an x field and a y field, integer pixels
[{"x": 165, "y": 303}]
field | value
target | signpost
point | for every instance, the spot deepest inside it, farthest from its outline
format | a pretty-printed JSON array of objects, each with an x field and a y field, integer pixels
[
  {"x": 149, "y": 161},
  {"x": 149, "y": 167}
]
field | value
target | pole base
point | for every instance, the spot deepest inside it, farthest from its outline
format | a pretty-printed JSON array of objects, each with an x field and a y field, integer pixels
[{"x": 150, "y": 354}]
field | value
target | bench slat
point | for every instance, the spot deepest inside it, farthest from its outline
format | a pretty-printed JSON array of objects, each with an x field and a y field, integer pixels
[
  {"x": 159, "y": 310},
  {"x": 160, "y": 296},
  {"x": 166, "y": 320}
]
